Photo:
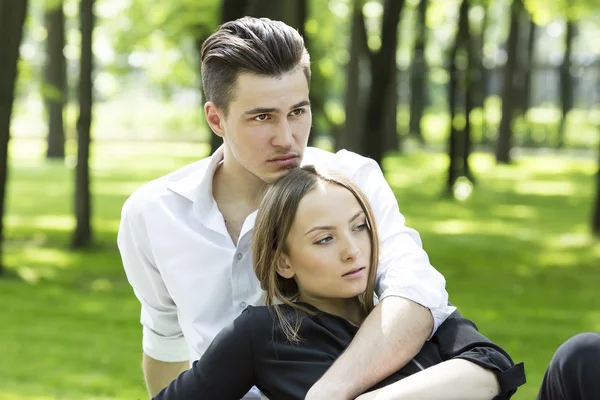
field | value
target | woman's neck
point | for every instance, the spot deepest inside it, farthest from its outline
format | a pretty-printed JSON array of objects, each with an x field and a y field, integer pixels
[{"x": 349, "y": 309}]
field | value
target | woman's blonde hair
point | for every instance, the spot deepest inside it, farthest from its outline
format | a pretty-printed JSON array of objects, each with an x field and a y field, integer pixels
[{"x": 276, "y": 215}]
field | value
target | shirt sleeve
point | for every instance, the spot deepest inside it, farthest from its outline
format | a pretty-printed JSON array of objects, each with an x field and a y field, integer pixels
[
  {"x": 162, "y": 336},
  {"x": 458, "y": 337},
  {"x": 225, "y": 371},
  {"x": 404, "y": 269}
]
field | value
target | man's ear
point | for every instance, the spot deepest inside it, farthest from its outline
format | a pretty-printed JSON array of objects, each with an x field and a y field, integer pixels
[
  {"x": 284, "y": 267},
  {"x": 215, "y": 118}
]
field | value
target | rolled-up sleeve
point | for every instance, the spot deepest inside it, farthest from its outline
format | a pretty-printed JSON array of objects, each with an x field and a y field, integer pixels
[
  {"x": 162, "y": 336},
  {"x": 404, "y": 268}
]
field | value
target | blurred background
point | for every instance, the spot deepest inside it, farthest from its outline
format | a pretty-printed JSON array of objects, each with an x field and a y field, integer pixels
[{"x": 484, "y": 115}]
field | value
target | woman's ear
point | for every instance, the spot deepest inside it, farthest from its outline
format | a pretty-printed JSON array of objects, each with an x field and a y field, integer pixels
[{"x": 284, "y": 267}]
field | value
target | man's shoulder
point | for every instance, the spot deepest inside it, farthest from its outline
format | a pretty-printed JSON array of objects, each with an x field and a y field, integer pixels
[
  {"x": 160, "y": 188},
  {"x": 342, "y": 160}
]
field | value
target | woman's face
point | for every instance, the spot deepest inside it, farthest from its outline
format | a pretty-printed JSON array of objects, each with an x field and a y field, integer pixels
[{"x": 329, "y": 245}]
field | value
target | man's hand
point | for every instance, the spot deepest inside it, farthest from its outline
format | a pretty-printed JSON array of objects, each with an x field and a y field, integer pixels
[
  {"x": 158, "y": 374},
  {"x": 389, "y": 338}
]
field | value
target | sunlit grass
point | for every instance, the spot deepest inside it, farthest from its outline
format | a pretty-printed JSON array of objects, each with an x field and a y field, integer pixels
[{"x": 516, "y": 253}]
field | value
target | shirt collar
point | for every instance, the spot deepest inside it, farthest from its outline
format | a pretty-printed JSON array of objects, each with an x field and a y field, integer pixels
[{"x": 196, "y": 185}]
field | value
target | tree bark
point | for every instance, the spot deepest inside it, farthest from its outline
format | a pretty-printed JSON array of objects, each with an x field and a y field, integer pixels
[
  {"x": 529, "y": 62},
  {"x": 82, "y": 237},
  {"x": 566, "y": 84},
  {"x": 470, "y": 82},
  {"x": 456, "y": 149},
  {"x": 56, "y": 81},
  {"x": 418, "y": 84},
  {"x": 391, "y": 139},
  {"x": 596, "y": 211},
  {"x": 504, "y": 144},
  {"x": 351, "y": 137},
  {"x": 380, "y": 76},
  {"x": 12, "y": 19}
]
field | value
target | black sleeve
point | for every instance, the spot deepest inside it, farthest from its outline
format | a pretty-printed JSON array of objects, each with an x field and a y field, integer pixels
[
  {"x": 458, "y": 337},
  {"x": 225, "y": 371}
]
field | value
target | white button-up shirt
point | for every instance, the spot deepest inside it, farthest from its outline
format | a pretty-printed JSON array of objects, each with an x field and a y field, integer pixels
[{"x": 192, "y": 280}]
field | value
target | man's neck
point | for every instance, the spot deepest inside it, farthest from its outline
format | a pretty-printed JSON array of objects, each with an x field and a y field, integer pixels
[{"x": 233, "y": 184}]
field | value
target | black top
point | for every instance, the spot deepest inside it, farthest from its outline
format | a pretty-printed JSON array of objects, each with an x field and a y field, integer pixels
[{"x": 253, "y": 351}]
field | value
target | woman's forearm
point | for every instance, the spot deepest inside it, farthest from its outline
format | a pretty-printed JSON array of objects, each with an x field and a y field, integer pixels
[{"x": 452, "y": 379}]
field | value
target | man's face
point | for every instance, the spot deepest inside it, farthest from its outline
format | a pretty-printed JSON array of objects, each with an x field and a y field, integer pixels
[{"x": 269, "y": 120}]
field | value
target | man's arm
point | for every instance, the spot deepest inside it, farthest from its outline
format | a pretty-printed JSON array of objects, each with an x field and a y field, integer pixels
[
  {"x": 165, "y": 349},
  {"x": 158, "y": 374},
  {"x": 389, "y": 338}
]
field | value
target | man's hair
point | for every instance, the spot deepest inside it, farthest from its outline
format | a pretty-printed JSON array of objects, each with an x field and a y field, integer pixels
[{"x": 255, "y": 45}]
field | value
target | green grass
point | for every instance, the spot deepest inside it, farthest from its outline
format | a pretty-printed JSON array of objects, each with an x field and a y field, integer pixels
[{"x": 516, "y": 254}]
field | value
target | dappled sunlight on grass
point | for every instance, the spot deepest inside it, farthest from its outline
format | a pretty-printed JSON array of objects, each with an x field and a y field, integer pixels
[
  {"x": 515, "y": 211},
  {"x": 43, "y": 222},
  {"x": 545, "y": 188},
  {"x": 516, "y": 254}
]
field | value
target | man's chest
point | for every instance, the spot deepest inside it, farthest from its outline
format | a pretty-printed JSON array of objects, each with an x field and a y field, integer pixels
[{"x": 209, "y": 278}]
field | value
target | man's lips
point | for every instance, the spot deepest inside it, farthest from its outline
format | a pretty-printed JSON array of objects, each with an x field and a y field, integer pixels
[{"x": 283, "y": 157}]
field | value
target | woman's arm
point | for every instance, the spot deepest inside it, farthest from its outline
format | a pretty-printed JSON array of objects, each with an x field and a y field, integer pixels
[
  {"x": 225, "y": 371},
  {"x": 473, "y": 368},
  {"x": 454, "y": 379}
]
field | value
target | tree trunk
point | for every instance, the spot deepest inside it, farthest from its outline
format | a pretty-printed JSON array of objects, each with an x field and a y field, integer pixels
[
  {"x": 56, "y": 80},
  {"x": 453, "y": 139},
  {"x": 470, "y": 82},
  {"x": 529, "y": 62},
  {"x": 484, "y": 75},
  {"x": 596, "y": 211},
  {"x": 391, "y": 140},
  {"x": 566, "y": 83},
  {"x": 380, "y": 76},
  {"x": 82, "y": 236},
  {"x": 504, "y": 144},
  {"x": 351, "y": 136},
  {"x": 12, "y": 19},
  {"x": 456, "y": 143},
  {"x": 418, "y": 84}
]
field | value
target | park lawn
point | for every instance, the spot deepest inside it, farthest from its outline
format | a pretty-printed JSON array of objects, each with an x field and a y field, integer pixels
[{"x": 516, "y": 254}]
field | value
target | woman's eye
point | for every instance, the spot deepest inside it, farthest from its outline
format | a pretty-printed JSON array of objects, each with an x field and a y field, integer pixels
[
  {"x": 261, "y": 117},
  {"x": 361, "y": 227},
  {"x": 324, "y": 240}
]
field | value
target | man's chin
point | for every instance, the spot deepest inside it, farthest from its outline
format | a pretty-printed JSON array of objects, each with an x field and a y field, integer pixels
[{"x": 275, "y": 176}]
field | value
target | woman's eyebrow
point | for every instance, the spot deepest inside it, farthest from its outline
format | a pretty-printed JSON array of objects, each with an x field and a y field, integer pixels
[{"x": 327, "y": 227}]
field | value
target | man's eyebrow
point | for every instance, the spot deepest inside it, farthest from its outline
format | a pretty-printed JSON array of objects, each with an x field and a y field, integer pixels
[
  {"x": 301, "y": 104},
  {"x": 268, "y": 110},
  {"x": 261, "y": 110},
  {"x": 316, "y": 228}
]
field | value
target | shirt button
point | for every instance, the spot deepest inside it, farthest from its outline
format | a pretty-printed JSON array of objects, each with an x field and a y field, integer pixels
[
  {"x": 239, "y": 256},
  {"x": 243, "y": 304}
]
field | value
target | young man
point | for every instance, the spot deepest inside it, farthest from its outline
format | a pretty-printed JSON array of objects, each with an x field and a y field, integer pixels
[{"x": 185, "y": 238}]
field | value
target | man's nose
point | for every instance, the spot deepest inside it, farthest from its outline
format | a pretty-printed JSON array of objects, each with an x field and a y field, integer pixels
[{"x": 284, "y": 136}]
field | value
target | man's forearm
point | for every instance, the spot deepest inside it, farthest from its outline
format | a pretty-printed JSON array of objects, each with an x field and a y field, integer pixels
[
  {"x": 158, "y": 374},
  {"x": 390, "y": 337},
  {"x": 451, "y": 380}
]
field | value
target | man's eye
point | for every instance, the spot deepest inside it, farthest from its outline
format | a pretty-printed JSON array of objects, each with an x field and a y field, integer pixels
[
  {"x": 261, "y": 117},
  {"x": 298, "y": 112}
]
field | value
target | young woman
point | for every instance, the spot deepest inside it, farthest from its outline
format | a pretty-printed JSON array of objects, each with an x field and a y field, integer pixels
[{"x": 315, "y": 253}]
